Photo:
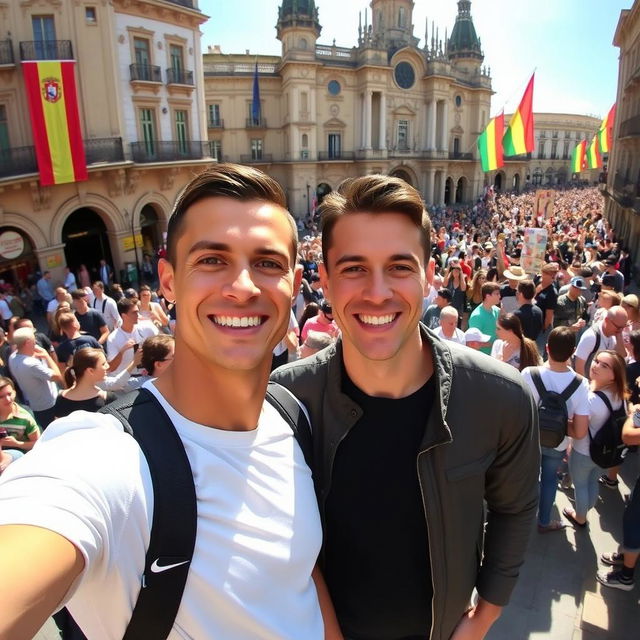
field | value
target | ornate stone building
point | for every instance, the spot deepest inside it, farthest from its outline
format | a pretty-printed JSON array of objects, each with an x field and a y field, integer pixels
[
  {"x": 385, "y": 105},
  {"x": 143, "y": 124},
  {"x": 623, "y": 187}
]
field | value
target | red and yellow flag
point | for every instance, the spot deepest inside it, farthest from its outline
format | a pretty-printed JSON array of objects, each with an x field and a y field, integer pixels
[
  {"x": 594, "y": 159},
  {"x": 605, "y": 134},
  {"x": 490, "y": 144},
  {"x": 519, "y": 138},
  {"x": 578, "y": 160},
  {"x": 53, "y": 107}
]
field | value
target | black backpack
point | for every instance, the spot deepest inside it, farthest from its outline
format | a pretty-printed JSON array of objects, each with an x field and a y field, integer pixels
[
  {"x": 173, "y": 528},
  {"x": 553, "y": 414},
  {"x": 606, "y": 447}
]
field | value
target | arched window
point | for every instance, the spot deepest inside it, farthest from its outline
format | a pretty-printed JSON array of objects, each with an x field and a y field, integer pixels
[
  {"x": 305, "y": 140},
  {"x": 303, "y": 43}
]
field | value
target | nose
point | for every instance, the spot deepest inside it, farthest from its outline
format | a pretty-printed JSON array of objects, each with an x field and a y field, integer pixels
[
  {"x": 243, "y": 288},
  {"x": 377, "y": 289}
]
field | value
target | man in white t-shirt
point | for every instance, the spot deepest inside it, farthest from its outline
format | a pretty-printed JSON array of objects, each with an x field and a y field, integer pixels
[
  {"x": 75, "y": 515},
  {"x": 101, "y": 302},
  {"x": 121, "y": 343},
  {"x": 610, "y": 337},
  {"x": 448, "y": 329},
  {"x": 61, "y": 295},
  {"x": 557, "y": 375}
]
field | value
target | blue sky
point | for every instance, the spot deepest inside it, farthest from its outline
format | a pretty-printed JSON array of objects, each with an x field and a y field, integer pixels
[{"x": 569, "y": 42}]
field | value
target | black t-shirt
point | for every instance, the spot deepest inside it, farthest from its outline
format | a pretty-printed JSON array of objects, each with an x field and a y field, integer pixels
[
  {"x": 531, "y": 320},
  {"x": 91, "y": 323},
  {"x": 547, "y": 299},
  {"x": 376, "y": 548},
  {"x": 63, "y": 406},
  {"x": 507, "y": 292},
  {"x": 67, "y": 347}
]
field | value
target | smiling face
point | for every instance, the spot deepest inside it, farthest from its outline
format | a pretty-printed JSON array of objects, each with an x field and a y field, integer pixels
[
  {"x": 233, "y": 282},
  {"x": 375, "y": 278}
]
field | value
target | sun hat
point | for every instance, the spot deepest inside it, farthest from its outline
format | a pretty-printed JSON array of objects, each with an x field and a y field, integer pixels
[{"x": 514, "y": 272}]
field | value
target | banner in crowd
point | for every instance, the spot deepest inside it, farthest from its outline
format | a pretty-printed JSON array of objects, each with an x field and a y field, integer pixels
[
  {"x": 545, "y": 201},
  {"x": 519, "y": 138},
  {"x": 533, "y": 250},
  {"x": 490, "y": 144},
  {"x": 55, "y": 122}
]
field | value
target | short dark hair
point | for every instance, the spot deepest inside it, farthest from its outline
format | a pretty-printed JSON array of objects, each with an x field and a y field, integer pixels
[
  {"x": 526, "y": 289},
  {"x": 155, "y": 349},
  {"x": 445, "y": 294},
  {"x": 99, "y": 284},
  {"x": 126, "y": 304},
  {"x": 634, "y": 339},
  {"x": 78, "y": 294},
  {"x": 561, "y": 344},
  {"x": 374, "y": 194},
  {"x": 235, "y": 181},
  {"x": 488, "y": 288}
]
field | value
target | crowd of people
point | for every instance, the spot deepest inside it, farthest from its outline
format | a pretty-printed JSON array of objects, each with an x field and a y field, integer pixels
[{"x": 559, "y": 346}]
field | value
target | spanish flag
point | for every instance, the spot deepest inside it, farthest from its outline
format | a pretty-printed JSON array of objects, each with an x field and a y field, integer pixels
[
  {"x": 579, "y": 157},
  {"x": 490, "y": 144},
  {"x": 53, "y": 107},
  {"x": 519, "y": 138}
]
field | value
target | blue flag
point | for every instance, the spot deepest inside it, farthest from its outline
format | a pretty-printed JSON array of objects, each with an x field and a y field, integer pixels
[{"x": 255, "y": 105}]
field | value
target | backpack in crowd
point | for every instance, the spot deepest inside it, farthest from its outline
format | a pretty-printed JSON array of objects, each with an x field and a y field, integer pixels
[
  {"x": 173, "y": 528},
  {"x": 606, "y": 447},
  {"x": 596, "y": 348},
  {"x": 553, "y": 414}
]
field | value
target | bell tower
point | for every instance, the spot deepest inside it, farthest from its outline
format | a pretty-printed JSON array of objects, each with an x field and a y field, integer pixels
[
  {"x": 392, "y": 23},
  {"x": 464, "y": 44},
  {"x": 298, "y": 28}
]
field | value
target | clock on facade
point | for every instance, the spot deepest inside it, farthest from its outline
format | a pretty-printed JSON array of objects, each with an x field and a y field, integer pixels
[
  {"x": 405, "y": 75},
  {"x": 334, "y": 87}
]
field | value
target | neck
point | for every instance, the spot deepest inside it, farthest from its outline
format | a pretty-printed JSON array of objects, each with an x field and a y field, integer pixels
[
  {"x": 487, "y": 305},
  {"x": 448, "y": 332},
  {"x": 128, "y": 327},
  {"x": 560, "y": 367},
  {"x": 396, "y": 377},
  {"x": 237, "y": 401}
]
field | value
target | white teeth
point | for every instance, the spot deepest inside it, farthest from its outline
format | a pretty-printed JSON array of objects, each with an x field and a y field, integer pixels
[
  {"x": 377, "y": 320},
  {"x": 235, "y": 321}
]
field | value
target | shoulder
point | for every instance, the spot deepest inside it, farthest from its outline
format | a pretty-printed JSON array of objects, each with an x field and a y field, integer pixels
[{"x": 311, "y": 371}]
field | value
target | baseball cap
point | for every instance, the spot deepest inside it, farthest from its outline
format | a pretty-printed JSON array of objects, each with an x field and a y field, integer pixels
[
  {"x": 475, "y": 335},
  {"x": 578, "y": 283}
]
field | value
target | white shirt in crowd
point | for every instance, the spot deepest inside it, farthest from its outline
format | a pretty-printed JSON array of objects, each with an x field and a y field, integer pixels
[
  {"x": 108, "y": 308},
  {"x": 558, "y": 381},
  {"x": 119, "y": 337},
  {"x": 588, "y": 342},
  {"x": 458, "y": 335},
  {"x": 250, "y": 576},
  {"x": 599, "y": 414}
]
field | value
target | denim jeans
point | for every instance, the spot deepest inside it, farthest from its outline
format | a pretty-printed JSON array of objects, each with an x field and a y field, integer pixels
[
  {"x": 584, "y": 475},
  {"x": 631, "y": 522},
  {"x": 549, "y": 462}
]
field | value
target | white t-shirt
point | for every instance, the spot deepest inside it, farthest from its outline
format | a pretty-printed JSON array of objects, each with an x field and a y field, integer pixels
[
  {"x": 250, "y": 577},
  {"x": 119, "y": 337},
  {"x": 108, "y": 308},
  {"x": 588, "y": 342},
  {"x": 53, "y": 305},
  {"x": 458, "y": 335},
  {"x": 598, "y": 415},
  {"x": 558, "y": 381}
]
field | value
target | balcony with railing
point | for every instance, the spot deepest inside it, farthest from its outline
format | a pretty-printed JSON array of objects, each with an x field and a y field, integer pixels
[
  {"x": 179, "y": 76},
  {"x": 6, "y": 52},
  {"x": 217, "y": 123},
  {"x": 103, "y": 150},
  {"x": 334, "y": 156},
  {"x": 459, "y": 155},
  {"x": 630, "y": 128},
  {"x": 256, "y": 123},
  {"x": 17, "y": 161},
  {"x": 145, "y": 73},
  {"x": 46, "y": 50},
  {"x": 258, "y": 158},
  {"x": 168, "y": 151}
]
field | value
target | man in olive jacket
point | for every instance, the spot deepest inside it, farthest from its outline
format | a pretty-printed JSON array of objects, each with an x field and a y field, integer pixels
[{"x": 411, "y": 434}]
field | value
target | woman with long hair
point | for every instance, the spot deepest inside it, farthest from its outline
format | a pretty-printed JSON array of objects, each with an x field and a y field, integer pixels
[
  {"x": 152, "y": 311},
  {"x": 89, "y": 367},
  {"x": 512, "y": 346},
  {"x": 608, "y": 376},
  {"x": 474, "y": 290},
  {"x": 310, "y": 311}
]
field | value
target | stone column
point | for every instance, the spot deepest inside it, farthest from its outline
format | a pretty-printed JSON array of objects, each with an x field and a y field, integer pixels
[
  {"x": 383, "y": 121},
  {"x": 445, "y": 126},
  {"x": 547, "y": 148},
  {"x": 431, "y": 176},
  {"x": 368, "y": 98},
  {"x": 363, "y": 126},
  {"x": 443, "y": 184},
  {"x": 431, "y": 127}
]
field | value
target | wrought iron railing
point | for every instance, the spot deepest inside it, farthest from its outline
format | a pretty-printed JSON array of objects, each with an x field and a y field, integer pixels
[
  {"x": 216, "y": 124},
  {"x": 336, "y": 155},
  {"x": 168, "y": 151},
  {"x": 145, "y": 73},
  {"x": 256, "y": 123},
  {"x": 179, "y": 76},
  {"x": 6, "y": 52},
  {"x": 46, "y": 50},
  {"x": 458, "y": 155},
  {"x": 17, "y": 161},
  {"x": 256, "y": 158},
  {"x": 103, "y": 150}
]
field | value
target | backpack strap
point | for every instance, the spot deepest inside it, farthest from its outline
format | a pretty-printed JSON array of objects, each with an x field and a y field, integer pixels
[
  {"x": 603, "y": 396},
  {"x": 571, "y": 387},
  {"x": 537, "y": 380},
  {"x": 596, "y": 346},
  {"x": 292, "y": 412},
  {"x": 173, "y": 529}
]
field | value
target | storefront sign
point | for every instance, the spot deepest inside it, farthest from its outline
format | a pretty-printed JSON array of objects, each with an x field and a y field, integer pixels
[
  {"x": 127, "y": 242},
  {"x": 54, "y": 261},
  {"x": 11, "y": 245}
]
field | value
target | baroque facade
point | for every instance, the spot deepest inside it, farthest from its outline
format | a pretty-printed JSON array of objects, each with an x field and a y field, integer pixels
[
  {"x": 622, "y": 191},
  {"x": 143, "y": 125},
  {"x": 327, "y": 113}
]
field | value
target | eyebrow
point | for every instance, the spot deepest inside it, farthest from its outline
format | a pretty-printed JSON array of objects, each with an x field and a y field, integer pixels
[
  {"x": 396, "y": 257},
  {"x": 208, "y": 245}
]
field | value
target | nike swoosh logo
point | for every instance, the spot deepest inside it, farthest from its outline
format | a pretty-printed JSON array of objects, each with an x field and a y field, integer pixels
[{"x": 156, "y": 568}]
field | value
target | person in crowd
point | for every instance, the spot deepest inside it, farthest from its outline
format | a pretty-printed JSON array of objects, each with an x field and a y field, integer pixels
[
  {"x": 156, "y": 355},
  {"x": 485, "y": 317},
  {"x": 557, "y": 375},
  {"x": 608, "y": 375},
  {"x": 55, "y": 332},
  {"x": 606, "y": 335},
  {"x": 322, "y": 323},
  {"x": 45, "y": 290},
  {"x": 91, "y": 321},
  {"x": 604, "y": 302},
  {"x": 388, "y": 367},
  {"x": 611, "y": 269},
  {"x": 5, "y": 309},
  {"x": 317, "y": 295},
  {"x": 84, "y": 278},
  {"x": 36, "y": 373},
  {"x": 448, "y": 327},
  {"x": 456, "y": 281},
  {"x": 431, "y": 317},
  {"x": 60, "y": 297},
  {"x": 105, "y": 273},
  {"x": 122, "y": 342},
  {"x": 73, "y": 340},
  {"x": 20, "y": 427},
  {"x": 512, "y": 346},
  {"x": 571, "y": 307},
  {"x": 310, "y": 311},
  {"x": 41, "y": 339},
  {"x": 152, "y": 311},
  {"x": 546, "y": 299},
  {"x": 69, "y": 282},
  {"x": 630, "y": 304},
  {"x": 314, "y": 342},
  {"x": 105, "y": 305},
  {"x": 508, "y": 299},
  {"x": 475, "y": 339},
  {"x": 88, "y": 368},
  {"x": 91, "y": 557},
  {"x": 528, "y": 313},
  {"x": 474, "y": 290}
]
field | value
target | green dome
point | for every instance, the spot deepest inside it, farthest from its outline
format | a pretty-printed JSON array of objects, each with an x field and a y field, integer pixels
[
  {"x": 301, "y": 13},
  {"x": 464, "y": 42},
  {"x": 298, "y": 7}
]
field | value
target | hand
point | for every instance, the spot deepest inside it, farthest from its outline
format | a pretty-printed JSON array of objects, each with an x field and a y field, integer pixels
[
  {"x": 137, "y": 357},
  {"x": 473, "y": 626},
  {"x": 128, "y": 345},
  {"x": 10, "y": 441},
  {"x": 39, "y": 352}
]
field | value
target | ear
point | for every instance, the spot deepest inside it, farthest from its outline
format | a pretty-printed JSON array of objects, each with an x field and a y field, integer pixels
[
  {"x": 297, "y": 280},
  {"x": 166, "y": 276},
  {"x": 324, "y": 280},
  {"x": 430, "y": 272}
]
